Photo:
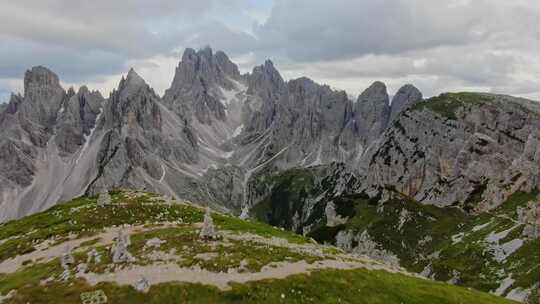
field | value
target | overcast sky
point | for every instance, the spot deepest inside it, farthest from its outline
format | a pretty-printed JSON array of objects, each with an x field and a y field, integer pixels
[{"x": 437, "y": 45}]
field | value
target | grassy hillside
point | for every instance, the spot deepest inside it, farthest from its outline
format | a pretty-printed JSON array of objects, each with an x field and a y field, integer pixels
[
  {"x": 249, "y": 263},
  {"x": 483, "y": 251}
]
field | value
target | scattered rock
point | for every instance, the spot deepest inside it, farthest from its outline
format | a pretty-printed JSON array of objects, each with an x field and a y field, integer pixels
[
  {"x": 119, "y": 249},
  {"x": 66, "y": 274},
  {"x": 142, "y": 285},
  {"x": 104, "y": 199},
  {"x": 344, "y": 240},
  {"x": 245, "y": 213},
  {"x": 365, "y": 246},
  {"x": 530, "y": 216},
  {"x": 206, "y": 256},
  {"x": 454, "y": 280},
  {"x": 67, "y": 258},
  {"x": 404, "y": 216},
  {"x": 93, "y": 256},
  {"x": 208, "y": 230},
  {"x": 82, "y": 268},
  {"x": 154, "y": 242},
  {"x": 332, "y": 218}
]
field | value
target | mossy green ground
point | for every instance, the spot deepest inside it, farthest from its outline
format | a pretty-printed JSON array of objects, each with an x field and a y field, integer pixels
[
  {"x": 426, "y": 238},
  {"x": 449, "y": 104},
  {"x": 82, "y": 218},
  {"x": 323, "y": 286}
]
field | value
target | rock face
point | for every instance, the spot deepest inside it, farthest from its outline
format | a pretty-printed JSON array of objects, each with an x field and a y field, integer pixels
[
  {"x": 461, "y": 148},
  {"x": 332, "y": 218},
  {"x": 32, "y": 166},
  {"x": 372, "y": 111},
  {"x": 77, "y": 119},
  {"x": 216, "y": 135},
  {"x": 405, "y": 97},
  {"x": 530, "y": 216}
]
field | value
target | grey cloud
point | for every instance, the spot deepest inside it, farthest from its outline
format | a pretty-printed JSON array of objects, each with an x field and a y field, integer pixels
[
  {"x": 114, "y": 26},
  {"x": 219, "y": 36},
  {"x": 73, "y": 65},
  {"x": 448, "y": 45},
  {"x": 85, "y": 40},
  {"x": 308, "y": 30}
]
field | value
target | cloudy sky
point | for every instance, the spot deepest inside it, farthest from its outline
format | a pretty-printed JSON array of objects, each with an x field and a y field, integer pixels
[{"x": 450, "y": 45}]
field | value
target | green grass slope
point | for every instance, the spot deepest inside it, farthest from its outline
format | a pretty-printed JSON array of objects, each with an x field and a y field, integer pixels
[
  {"x": 252, "y": 248},
  {"x": 478, "y": 251}
]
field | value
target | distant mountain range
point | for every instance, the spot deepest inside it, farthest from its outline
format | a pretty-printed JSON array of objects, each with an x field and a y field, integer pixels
[
  {"x": 214, "y": 128},
  {"x": 289, "y": 153}
]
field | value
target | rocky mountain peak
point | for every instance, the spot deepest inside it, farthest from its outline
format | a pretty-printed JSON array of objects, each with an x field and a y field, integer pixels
[
  {"x": 12, "y": 105},
  {"x": 134, "y": 79},
  {"x": 40, "y": 83},
  {"x": 372, "y": 110},
  {"x": 406, "y": 96},
  {"x": 226, "y": 65},
  {"x": 200, "y": 71},
  {"x": 375, "y": 93},
  {"x": 266, "y": 80},
  {"x": 131, "y": 84}
]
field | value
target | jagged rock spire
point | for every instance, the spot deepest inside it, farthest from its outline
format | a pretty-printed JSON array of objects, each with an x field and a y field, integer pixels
[
  {"x": 266, "y": 81},
  {"x": 372, "y": 110},
  {"x": 40, "y": 83},
  {"x": 406, "y": 96}
]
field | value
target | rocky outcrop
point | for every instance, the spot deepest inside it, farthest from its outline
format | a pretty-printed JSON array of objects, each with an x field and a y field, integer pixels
[
  {"x": 195, "y": 89},
  {"x": 332, "y": 218},
  {"x": 77, "y": 119},
  {"x": 372, "y": 111},
  {"x": 405, "y": 97},
  {"x": 455, "y": 148},
  {"x": 530, "y": 217}
]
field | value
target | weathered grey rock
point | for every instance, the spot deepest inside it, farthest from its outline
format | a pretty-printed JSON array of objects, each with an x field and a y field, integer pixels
[
  {"x": 468, "y": 147},
  {"x": 366, "y": 246},
  {"x": 344, "y": 240},
  {"x": 332, "y": 218},
  {"x": 372, "y": 112},
  {"x": 104, "y": 199},
  {"x": 530, "y": 216},
  {"x": 93, "y": 256},
  {"x": 208, "y": 230},
  {"x": 120, "y": 254},
  {"x": 67, "y": 258},
  {"x": 195, "y": 87},
  {"x": 154, "y": 242},
  {"x": 77, "y": 119},
  {"x": 405, "y": 97},
  {"x": 142, "y": 285}
]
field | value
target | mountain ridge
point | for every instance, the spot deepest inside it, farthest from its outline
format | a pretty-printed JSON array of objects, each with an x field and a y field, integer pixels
[{"x": 209, "y": 100}]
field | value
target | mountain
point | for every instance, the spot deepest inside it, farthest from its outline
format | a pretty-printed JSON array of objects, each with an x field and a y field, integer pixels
[
  {"x": 140, "y": 247},
  {"x": 449, "y": 190},
  {"x": 203, "y": 140},
  {"x": 410, "y": 181}
]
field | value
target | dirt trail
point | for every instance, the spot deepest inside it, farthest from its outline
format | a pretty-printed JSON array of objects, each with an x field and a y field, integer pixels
[
  {"x": 161, "y": 273},
  {"x": 45, "y": 252}
]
